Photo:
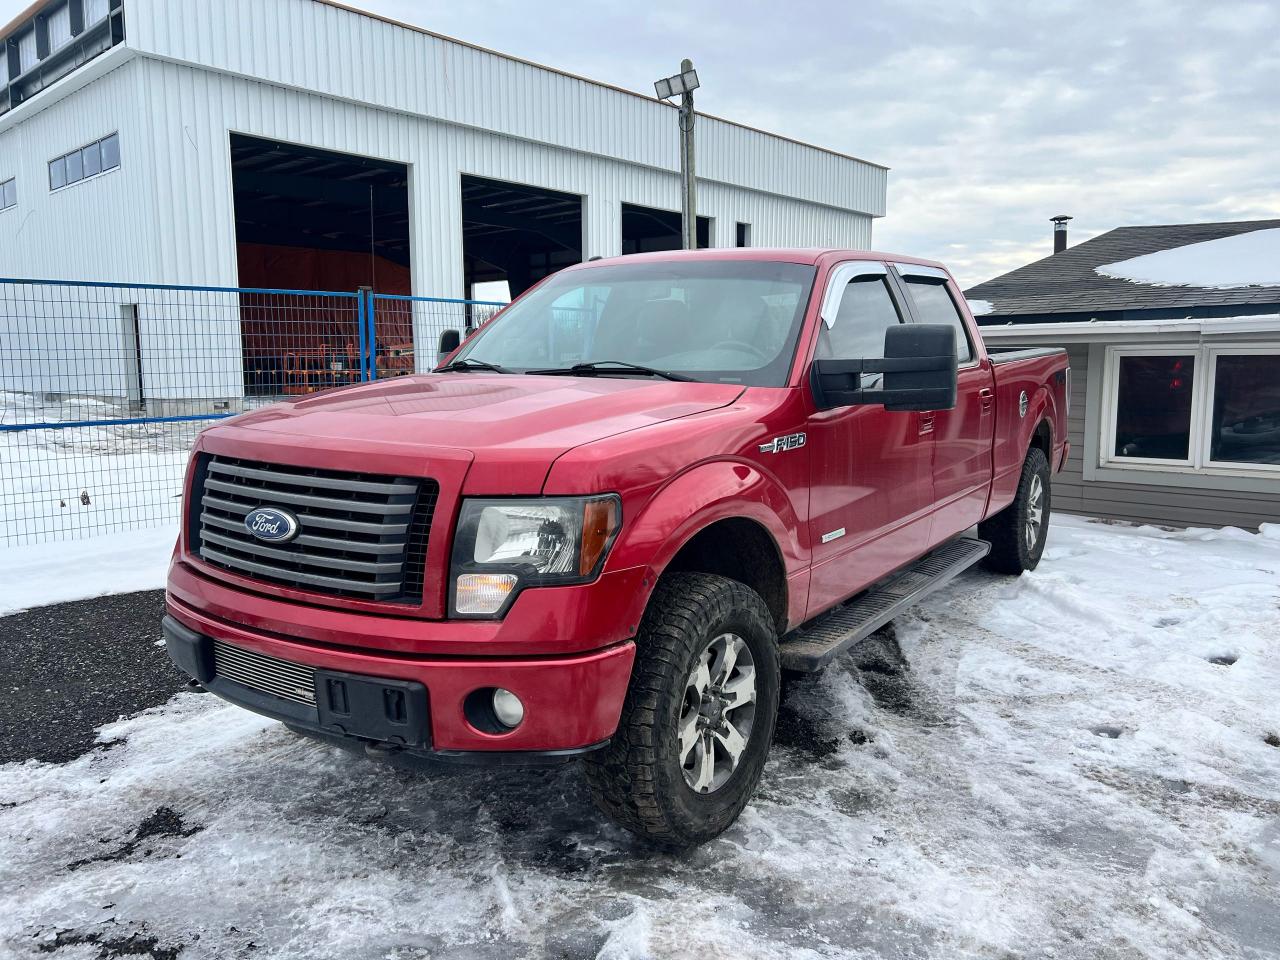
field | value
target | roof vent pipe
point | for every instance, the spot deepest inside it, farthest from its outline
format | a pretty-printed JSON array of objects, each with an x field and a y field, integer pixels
[{"x": 1060, "y": 232}]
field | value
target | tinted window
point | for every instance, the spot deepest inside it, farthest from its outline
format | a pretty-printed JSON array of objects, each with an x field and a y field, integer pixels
[
  {"x": 934, "y": 305},
  {"x": 1153, "y": 407},
  {"x": 8, "y": 194},
  {"x": 1246, "y": 409},
  {"x": 866, "y": 312},
  {"x": 57, "y": 173}
]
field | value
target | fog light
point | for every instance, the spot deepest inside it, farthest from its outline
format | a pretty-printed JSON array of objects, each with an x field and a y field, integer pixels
[
  {"x": 483, "y": 592},
  {"x": 507, "y": 708}
]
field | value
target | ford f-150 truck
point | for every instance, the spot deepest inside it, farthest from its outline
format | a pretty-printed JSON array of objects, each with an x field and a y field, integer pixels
[{"x": 606, "y": 524}]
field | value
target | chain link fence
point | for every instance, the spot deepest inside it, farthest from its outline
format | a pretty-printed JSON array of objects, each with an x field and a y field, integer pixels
[{"x": 103, "y": 387}]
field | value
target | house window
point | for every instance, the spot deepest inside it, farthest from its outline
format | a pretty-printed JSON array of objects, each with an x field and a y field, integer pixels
[
  {"x": 1202, "y": 408},
  {"x": 1153, "y": 407},
  {"x": 1244, "y": 416},
  {"x": 98, "y": 157},
  {"x": 8, "y": 194}
]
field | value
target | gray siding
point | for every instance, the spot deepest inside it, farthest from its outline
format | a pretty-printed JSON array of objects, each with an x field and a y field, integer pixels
[{"x": 1143, "y": 503}]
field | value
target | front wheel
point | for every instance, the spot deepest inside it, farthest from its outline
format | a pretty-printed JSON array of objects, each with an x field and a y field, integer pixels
[
  {"x": 1017, "y": 533},
  {"x": 698, "y": 717}
]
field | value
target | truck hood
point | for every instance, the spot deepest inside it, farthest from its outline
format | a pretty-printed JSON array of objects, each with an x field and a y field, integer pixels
[{"x": 514, "y": 426}]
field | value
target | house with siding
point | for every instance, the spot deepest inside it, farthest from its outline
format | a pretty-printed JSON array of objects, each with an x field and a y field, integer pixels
[{"x": 1174, "y": 338}]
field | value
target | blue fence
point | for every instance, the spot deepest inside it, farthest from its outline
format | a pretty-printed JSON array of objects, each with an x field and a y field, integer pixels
[{"x": 103, "y": 386}]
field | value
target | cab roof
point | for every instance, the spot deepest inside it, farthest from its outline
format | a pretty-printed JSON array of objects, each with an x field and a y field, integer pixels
[{"x": 815, "y": 256}]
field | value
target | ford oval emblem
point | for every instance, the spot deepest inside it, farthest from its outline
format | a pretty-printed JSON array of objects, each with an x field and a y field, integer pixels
[{"x": 272, "y": 524}]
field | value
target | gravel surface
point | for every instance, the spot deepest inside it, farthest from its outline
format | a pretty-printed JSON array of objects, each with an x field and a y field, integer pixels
[{"x": 81, "y": 665}]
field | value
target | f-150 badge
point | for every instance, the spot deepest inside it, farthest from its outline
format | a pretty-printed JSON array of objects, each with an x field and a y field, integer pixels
[{"x": 791, "y": 441}]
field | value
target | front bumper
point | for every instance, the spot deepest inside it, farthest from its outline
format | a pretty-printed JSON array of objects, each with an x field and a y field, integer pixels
[{"x": 414, "y": 705}]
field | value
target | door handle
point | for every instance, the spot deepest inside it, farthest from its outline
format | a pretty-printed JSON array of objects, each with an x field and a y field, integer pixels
[
  {"x": 988, "y": 398},
  {"x": 926, "y": 423}
]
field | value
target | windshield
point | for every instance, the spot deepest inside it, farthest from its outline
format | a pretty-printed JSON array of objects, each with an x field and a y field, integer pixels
[{"x": 719, "y": 321}]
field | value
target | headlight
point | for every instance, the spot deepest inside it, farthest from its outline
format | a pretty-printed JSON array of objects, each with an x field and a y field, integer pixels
[{"x": 502, "y": 546}]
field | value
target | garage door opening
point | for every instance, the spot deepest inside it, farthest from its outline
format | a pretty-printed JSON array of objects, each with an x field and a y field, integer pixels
[
  {"x": 513, "y": 236},
  {"x": 310, "y": 219},
  {"x": 645, "y": 229}
]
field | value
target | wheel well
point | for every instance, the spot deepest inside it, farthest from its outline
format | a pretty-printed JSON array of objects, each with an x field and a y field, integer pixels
[
  {"x": 1043, "y": 438},
  {"x": 741, "y": 550}
]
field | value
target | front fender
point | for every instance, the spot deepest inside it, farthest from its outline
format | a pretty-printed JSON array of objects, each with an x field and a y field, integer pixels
[{"x": 697, "y": 498}]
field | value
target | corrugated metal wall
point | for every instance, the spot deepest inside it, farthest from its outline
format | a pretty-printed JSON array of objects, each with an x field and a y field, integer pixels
[
  {"x": 316, "y": 47},
  {"x": 167, "y": 214}
]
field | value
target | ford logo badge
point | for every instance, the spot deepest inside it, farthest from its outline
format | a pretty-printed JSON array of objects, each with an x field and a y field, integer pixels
[{"x": 272, "y": 524}]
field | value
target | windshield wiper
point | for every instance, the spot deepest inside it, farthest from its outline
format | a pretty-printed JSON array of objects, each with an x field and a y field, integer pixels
[
  {"x": 464, "y": 365},
  {"x": 605, "y": 366}
]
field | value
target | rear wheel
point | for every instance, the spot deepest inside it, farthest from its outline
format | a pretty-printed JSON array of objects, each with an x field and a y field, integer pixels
[
  {"x": 699, "y": 714},
  {"x": 1017, "y": 533}
]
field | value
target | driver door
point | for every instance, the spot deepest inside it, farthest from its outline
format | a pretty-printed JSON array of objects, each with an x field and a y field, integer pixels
[{"x": 871, "y": 492}]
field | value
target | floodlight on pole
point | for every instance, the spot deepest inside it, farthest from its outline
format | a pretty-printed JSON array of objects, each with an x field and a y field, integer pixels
[{"x": 682, "y": 85}]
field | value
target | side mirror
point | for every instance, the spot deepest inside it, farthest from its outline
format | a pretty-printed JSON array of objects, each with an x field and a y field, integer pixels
[
  {"x": 919, "y": 367},
  {"x": 450, "y": 340}
]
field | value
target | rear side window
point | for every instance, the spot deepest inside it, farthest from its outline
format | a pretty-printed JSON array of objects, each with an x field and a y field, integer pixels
[
  {"x": 866, "y": 312},
  {"x": 934, "y": 305}
]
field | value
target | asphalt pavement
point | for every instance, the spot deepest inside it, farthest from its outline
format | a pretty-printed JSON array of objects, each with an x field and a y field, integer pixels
[{"x": 71, "y": 667}]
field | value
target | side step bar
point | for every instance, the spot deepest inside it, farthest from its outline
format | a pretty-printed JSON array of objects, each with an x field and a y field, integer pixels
[{"x": 809, "y": 648}]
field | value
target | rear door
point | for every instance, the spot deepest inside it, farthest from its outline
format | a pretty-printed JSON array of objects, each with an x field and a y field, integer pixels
[
  {"x": 871, "y": 492},
  {"x": 962, "y": 437}
]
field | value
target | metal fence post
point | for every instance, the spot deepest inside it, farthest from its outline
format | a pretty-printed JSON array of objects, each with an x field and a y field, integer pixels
[{"x": 368, "y": 333}]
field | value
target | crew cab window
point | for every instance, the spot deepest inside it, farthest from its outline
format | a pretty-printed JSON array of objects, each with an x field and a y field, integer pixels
[
  {"x": 857, "y": 332},
  {"x": 933, "y": 304}
]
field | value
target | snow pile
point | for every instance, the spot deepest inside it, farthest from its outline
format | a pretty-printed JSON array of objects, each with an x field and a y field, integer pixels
[
  {"x": 33, "y": 575},
  {"x": 980, "y": 308},
  {"x": 1082, "y": 762},
  {"x": 1247, "y": 259}
]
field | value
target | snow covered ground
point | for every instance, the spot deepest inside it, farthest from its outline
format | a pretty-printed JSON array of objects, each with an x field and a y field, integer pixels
[
  {"x": 41, "y": 573},
  {"x": 69, "y": 483},
  {"x": 1239, "y": 261},
  {"x": 1084, "y": 762}
]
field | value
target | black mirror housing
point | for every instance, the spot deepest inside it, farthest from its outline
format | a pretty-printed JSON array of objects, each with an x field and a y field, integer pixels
[
  {"x": 450, "y": 340},
  {"x": 920, "y": 370}
]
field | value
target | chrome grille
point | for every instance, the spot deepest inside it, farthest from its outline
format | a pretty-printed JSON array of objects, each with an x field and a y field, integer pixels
[
  {"x": 361, "y": 535},
  {"x": 280, "y": 678}
]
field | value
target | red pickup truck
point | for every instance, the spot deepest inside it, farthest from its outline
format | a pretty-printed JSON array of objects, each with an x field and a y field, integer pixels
[{"x": 613, "y": 517}]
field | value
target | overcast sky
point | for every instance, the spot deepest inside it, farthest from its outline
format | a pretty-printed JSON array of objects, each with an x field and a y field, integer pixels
[{"x": 992, "y": 115}]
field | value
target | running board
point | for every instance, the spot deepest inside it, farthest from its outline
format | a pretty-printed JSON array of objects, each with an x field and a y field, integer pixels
[{"x": 810, "y": 648}]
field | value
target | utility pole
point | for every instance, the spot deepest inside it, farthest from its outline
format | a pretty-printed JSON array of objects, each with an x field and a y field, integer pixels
[{"x": 683, "y": 84}]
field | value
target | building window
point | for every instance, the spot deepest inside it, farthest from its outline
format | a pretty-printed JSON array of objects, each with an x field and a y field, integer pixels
[
  {"x": 1202, "y": 408},
  {"x": 8, "y": 194},
  {"x": 89, "y": 161},
  {"x": 742, "y": 238}
]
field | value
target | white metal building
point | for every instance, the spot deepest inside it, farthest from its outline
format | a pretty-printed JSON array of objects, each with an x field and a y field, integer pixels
[{"x": 182, "y": 141}]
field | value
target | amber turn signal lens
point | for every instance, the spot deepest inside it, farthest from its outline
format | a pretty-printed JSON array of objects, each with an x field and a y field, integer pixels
[{"x": 599, "y": 522}]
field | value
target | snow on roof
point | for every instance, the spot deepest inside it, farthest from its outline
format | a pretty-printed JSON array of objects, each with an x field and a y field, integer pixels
[
  {"x": 1243, "y": 260},
  {"x": 980, "y": 308}
]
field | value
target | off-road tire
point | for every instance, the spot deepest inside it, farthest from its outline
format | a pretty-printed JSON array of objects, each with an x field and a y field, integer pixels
[
  {"x": 1007, "y": 530},
  {"x": 637, "y": 779}
]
